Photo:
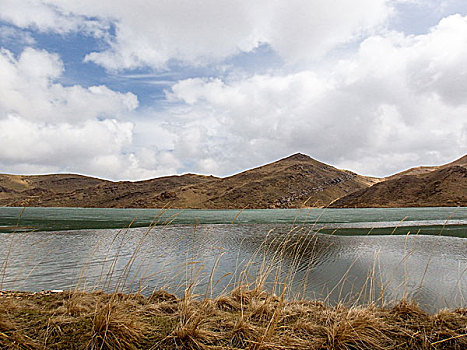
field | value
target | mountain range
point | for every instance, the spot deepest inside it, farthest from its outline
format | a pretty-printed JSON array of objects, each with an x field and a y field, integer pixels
[
  {"x": 293, "y": 182},
  {"x": 428, "y": 186}
]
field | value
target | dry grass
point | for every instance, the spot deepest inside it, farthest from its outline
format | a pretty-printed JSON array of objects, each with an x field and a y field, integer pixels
[
  {"x": 244, "y": 319},
  {"x": 115, "y": 327}
]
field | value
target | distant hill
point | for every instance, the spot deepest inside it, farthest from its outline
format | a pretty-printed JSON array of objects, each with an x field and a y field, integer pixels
[
  {"x": 426, "y": 169},
  {"x": 438, "y": 186},
  {"x": 292, "y": 182},
  {"x": 68, "y": 190}
]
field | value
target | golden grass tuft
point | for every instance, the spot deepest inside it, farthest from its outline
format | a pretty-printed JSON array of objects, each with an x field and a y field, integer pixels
[
  {"x": 115, "y": 328},
  {"x": 356, "y": 329}
]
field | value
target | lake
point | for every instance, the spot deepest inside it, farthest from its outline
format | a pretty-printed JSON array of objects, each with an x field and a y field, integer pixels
[{"x": 337, "y": 255}]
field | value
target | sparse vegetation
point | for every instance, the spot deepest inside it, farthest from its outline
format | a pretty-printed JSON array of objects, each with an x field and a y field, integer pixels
[{"x": 245, "y": 319}]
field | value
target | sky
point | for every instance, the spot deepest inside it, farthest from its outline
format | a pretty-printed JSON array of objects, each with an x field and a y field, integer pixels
[{"x": 130, "y": 90}]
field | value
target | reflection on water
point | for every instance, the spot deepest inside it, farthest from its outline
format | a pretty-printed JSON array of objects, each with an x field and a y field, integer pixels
[{"x": 355, "y": 269}]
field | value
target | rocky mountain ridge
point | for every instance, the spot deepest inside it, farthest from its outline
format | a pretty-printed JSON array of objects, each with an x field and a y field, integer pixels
[{"x": 296, "y": 181}]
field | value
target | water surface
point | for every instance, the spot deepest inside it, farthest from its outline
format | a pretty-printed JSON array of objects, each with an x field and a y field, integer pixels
[
  {"x": 336, "y": 255},
  {"x": 215, "y": 258},
  {"x": 444, "y": 221}
]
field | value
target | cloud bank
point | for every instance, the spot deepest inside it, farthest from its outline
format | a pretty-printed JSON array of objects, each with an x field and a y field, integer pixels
[
  {"x": 48, "y": 127},
  {"x": 351, "y": 91},
  {"x": 398, "y": 101},
  {"x": 151, "y": 33}
]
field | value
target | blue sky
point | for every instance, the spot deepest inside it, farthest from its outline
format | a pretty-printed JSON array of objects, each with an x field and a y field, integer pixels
[{"x": 133, "y": 90}]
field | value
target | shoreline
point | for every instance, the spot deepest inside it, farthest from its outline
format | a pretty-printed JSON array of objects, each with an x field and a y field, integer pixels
[{"x": 243, "y": 319}]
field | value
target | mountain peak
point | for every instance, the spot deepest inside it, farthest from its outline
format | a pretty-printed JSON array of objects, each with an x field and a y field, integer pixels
[{"x": 298, "y": 157}]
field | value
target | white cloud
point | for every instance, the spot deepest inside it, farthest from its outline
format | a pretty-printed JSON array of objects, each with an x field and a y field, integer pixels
[
  {"x": 45, "y": 126},
  {"x": 14, "y": 35},
  {"x": 398, "y": 102},
  {"x": 44, "y": 16},
  {"x": 57, "y": 143},
  {"x": 301, "y": 29},
  {"x": 150, "y": 33},
  {"x": 29, "y": 89}
]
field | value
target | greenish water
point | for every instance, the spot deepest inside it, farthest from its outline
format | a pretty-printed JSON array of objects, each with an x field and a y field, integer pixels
[
  {"x": 65, "y": 248},
  {"x": 432, "y": 221}
]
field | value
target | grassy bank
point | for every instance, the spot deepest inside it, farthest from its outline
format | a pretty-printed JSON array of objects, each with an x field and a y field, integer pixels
[{"x": 245, "y": 319}]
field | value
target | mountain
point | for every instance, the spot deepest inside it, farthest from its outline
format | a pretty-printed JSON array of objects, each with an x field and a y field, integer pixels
[
  {"x": 435, "y": 186},
  {"x": 462, "y": 162},
  {"x": 292, "y": 182},
  {"x": 68, "y": 190},
  {"x": 295, "y": 181}
]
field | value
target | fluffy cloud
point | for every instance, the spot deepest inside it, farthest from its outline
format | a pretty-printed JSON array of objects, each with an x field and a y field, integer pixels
[
  {"x": 12, "y": 35},
  {"x": 399, "y": 101},
  {"x": 44, "y": 16},
  {"x": 29, "y": 89},
  {"x": 385, "y": 102},
  {"x": 45, "y": 126},
  {"x": 150, "y": 33}
]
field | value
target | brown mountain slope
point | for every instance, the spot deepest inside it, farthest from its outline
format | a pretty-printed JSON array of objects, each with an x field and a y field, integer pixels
[
  {"x": 294, "y": 181},
  {"x": 16, "y": 187},
  {"x": 56, "y": 182},
  {"x": 427, "y": 169},
  {"x": 446, "y": 186},
  {"x": 47, "y": 191}
]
